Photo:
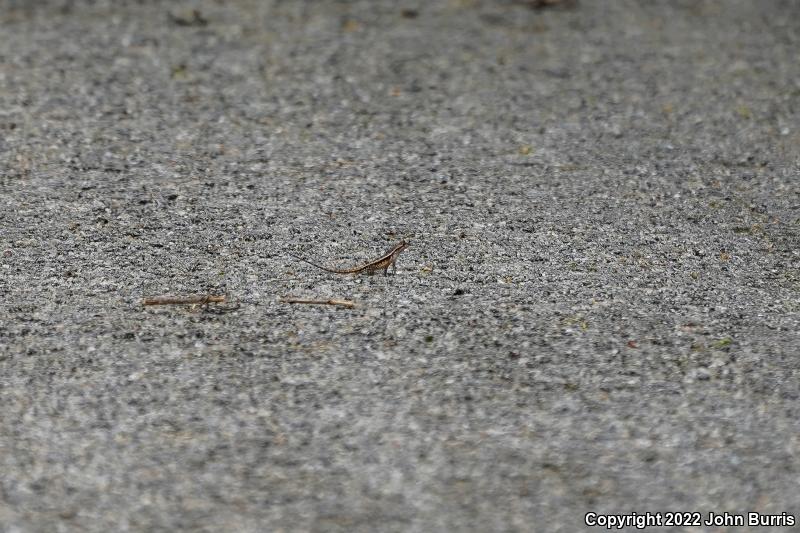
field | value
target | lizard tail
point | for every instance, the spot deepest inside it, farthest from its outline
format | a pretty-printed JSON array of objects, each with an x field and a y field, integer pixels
[{"x": 319, "y": 266}]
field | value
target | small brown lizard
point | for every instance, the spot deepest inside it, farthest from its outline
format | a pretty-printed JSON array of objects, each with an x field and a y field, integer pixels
[{"x": 382, "y": 263}]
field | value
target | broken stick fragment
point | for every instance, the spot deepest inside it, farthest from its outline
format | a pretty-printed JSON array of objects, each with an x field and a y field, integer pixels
[
  {"x": 342, "y": 303},
  {"x": 183, "y": 300}
]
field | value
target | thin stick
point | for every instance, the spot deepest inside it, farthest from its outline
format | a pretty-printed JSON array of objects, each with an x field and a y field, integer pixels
[
  {"x": 183, "y": 300},
  {"x": 343, "y": 303}
]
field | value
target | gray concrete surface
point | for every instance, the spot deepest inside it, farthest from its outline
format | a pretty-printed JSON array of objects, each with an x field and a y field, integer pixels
[{"x": 599, "y": 311}]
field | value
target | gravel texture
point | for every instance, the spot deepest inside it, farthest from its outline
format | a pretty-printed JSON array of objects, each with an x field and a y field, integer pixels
[{"x": 599, "y": 310}]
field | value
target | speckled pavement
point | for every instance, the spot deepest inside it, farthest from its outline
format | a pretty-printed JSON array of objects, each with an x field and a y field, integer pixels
[{"x": 598, "y": 312}]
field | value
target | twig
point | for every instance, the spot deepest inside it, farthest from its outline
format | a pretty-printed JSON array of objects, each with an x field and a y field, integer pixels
[
  {"x": 183, "y": 300},
  {"x": 541, "y": 4},
  {"x": 343, "y": 303}
]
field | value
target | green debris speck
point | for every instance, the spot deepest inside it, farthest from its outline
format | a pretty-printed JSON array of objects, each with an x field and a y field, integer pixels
[
  {"x": 722, "y": 343},
  {"x": 744, "y": 111}
]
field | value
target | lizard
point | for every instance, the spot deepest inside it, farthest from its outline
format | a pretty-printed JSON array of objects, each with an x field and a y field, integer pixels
[{"x": 382, "y": 263}]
